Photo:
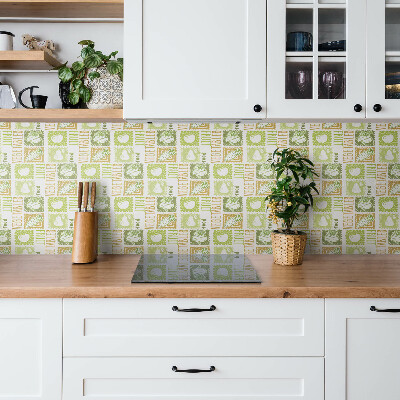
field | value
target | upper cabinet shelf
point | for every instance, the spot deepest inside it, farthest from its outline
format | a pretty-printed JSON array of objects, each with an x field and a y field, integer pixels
[
  {"x": 62, "y": 9},
  {"x": 27, "y": 60}
]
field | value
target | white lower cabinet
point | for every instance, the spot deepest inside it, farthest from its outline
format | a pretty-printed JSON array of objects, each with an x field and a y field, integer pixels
[
  {"x": 30, "y": 349},
  {"x": 362, "y": 349},
  {"x": 153, "y": 378}
]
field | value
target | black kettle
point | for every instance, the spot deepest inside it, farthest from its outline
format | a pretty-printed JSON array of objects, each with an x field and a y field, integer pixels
[{"x": 38, "y": 101}]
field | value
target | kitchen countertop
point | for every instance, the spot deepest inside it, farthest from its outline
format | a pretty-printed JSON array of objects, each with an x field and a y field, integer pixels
[{"x": 320, "y": 276}]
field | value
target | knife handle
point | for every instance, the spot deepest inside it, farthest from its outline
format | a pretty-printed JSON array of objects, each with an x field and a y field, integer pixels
[
  {"x": 80, "y": 190},
  {"x": 93, "y": 196},
  {"x": 85, "y": 196}
]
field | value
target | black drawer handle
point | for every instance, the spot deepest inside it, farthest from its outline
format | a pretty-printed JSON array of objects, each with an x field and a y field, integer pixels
[
  {"x": 393, "y": 310},
  {"x": 175, "y": 308},
  {"x": 193, "y": 371}
]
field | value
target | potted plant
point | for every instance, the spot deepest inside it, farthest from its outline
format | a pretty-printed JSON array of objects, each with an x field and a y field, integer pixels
[
  {"x": 290, "y": 198},
  {"x": 95, "y": 80}
]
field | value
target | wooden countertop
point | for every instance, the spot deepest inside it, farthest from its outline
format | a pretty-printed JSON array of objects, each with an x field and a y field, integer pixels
[{"x": 322, "y": 276}]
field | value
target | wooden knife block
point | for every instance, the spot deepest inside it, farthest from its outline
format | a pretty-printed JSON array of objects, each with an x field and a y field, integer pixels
[{"x": 84, "y": 248}]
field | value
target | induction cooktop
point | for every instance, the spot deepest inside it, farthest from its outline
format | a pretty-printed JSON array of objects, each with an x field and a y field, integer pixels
[{"x": 174, "y": 268}]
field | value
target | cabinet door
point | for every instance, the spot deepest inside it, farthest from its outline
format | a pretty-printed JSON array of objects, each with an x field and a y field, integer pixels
[
  {"x": 195, "y": 59},
  {"x": 383, "y": 59},
  {"x": 30, "y": 349},
  {"x": 362, "y": 350},
  {"x": 316, "y": 59},
  {"x": 152, "y": 378}
]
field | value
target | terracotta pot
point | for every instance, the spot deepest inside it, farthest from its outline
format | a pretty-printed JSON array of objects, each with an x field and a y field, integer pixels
[
  {"x": 288, "y": 249},
  {"x": 106, "y": 90}
]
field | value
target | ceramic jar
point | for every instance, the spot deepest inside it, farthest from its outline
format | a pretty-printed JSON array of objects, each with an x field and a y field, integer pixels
[
  {"x": 6, "y": 41},
  {"x": 106, "y": 90}
]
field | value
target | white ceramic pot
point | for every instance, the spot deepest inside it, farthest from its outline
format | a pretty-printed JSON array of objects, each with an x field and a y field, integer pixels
[
  {"x": 106, "y": 90},
  {"x": 6, "y": 41}
]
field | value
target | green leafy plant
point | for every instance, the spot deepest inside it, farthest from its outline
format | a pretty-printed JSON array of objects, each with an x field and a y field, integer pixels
[
  {"x": 292, "y": 195},
  {"x": 79, "y": 71}
]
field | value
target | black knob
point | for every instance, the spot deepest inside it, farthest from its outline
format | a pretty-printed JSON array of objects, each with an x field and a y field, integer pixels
[
  {"x": 358, "y": 108},
  {"x": 257, "y": 108},
  {"x": 377, "y": 107}
]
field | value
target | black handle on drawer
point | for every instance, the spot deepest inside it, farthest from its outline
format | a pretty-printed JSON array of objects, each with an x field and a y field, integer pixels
[
  {"x": 392, "y": 310},
  {"x": 176, "y": 308},
  {"x": 193, "y": 371}
]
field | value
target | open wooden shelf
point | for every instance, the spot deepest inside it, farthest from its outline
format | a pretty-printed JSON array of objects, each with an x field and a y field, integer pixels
[
  {"x": 27, "y": 60},
  {"x": 62, "y": 9},
  {"x": 60, "y": 115}
]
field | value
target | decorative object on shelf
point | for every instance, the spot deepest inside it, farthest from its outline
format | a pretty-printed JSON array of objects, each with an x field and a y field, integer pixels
[
  {"x": 299, "y": 84},
  {"x": 64, "y": 90},
  {"x": 34, "y": 44},
  {"x": 336, "y": 45},
  {"x": 6, "y": 41},
  {"x": 96, "y": 80},
  {"x": 7, "y": 97},
  {"x": 290, "y": 198},
  {"x": 331, "y": 85},
  {"x": 84, "y": 245},
  {"x": 37, "y": 100},
  {"x": 299, "y": 41}
]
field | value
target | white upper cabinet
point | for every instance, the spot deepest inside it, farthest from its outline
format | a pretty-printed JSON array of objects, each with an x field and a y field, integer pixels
[
  {"x": 316, "y": 59},
  {"x": 195, "y": 59},
  {"x": 383, "y": 59},
  {"x": 30, "y": 349}
]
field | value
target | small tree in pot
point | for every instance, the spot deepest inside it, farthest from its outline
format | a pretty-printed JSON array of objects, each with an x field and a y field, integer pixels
[{"x": 291, "y": 198}]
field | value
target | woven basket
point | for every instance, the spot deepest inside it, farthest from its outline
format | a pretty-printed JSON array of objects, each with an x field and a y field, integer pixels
[{"x": 288, "y": 249}]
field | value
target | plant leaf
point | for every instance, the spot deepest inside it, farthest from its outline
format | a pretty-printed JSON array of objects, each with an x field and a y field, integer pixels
[
  {"x": 73, "y": 98},
  {"x": 84, "y": 93},
  {"x": 65, "y": 74},
  {"x": 93, "y": 61},
  {"x": 113, "y": 54},
  {"x": 77, "y": 66},
  {"x": 114, "y": 67},
  {"x": 86, "y": 43},
  {"x": 86, "y": 52},
  {"x": 93, "y": 75},
  {"x": 76, "y": 84}
]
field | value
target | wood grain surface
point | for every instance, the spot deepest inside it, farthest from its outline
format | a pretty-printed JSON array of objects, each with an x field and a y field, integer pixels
[{"x": 323, "y": 276}]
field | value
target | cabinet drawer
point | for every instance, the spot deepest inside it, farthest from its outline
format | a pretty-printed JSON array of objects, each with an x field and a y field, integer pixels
[
  {"x": 234, "y": 378},
  {"x": 150, "y": 327}
]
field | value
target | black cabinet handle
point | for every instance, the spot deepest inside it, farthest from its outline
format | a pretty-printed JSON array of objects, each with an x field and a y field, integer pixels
[
  {"x": 377, "y": 108},
  {"x": 175, "y": 308},
  {"x": 257, "y": 108},
  {"x": 193, "y": 371},
  {"x": 358, "y": 108},
  {"x": 390, "y": 310}
]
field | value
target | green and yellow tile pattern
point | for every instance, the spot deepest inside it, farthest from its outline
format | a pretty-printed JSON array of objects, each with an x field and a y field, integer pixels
[{"x": 195, "y": 187}]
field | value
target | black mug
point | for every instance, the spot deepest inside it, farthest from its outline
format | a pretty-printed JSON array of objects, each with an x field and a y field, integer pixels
[
  {"x": 37, "y": 100},
  {"x": 299, "y": 41}
]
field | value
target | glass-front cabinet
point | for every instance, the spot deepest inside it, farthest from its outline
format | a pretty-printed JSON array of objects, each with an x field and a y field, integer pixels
[
  {"x": 316, "y": 58},
  {"x": 383, "y": 59}
]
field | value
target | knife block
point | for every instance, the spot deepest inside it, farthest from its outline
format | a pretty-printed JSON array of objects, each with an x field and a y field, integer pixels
[{"x": 84, "y": 247}]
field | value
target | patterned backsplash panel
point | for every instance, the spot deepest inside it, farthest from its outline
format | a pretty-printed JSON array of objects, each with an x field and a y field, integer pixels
[{"x": 190, "y": 188}]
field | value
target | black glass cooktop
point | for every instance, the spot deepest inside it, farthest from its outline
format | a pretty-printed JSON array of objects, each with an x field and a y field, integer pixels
[{"x": 174, "y": 268}]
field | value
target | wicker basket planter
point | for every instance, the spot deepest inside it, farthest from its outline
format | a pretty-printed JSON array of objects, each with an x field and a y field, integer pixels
[{"x": 288, "y": 249}]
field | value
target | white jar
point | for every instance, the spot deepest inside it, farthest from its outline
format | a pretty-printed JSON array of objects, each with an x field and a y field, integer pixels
[{"x": 6, "y": 40}]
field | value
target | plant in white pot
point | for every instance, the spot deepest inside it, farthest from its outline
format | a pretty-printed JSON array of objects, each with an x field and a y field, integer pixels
[
  {"x": 96, "y": 80},
  {"x": 290, "y": 198}
]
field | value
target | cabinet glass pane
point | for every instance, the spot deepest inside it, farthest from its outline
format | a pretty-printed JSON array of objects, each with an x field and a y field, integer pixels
[
  {"x": 392, "y": 46},
  {"x": 393, "y": 29},
  {"x": 299, "y": 79},
  {"x": 331, "y": 29},
  {"x": 331, "y": 78},
  {"x": 299, "y": 29}
]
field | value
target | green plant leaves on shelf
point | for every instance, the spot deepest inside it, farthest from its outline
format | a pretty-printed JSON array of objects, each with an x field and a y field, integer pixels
[
  {"x": 86, "y": 43},
  {"x": 65, "y": 74},
  {"x": 73, "y": 98},
  {"x": 78, "y": 66},
  {"x": 114, "y": 67},
  {"x": 84, "y": 93},
  {"x": 79, "y": 74},
  {"x": 76, "y": 84},
  {"x": 113, "y": 54},
  {"x": 93, "y": 61},
  {"x": 86, "y": 52},
  {"x": 93, "y": 75}
]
